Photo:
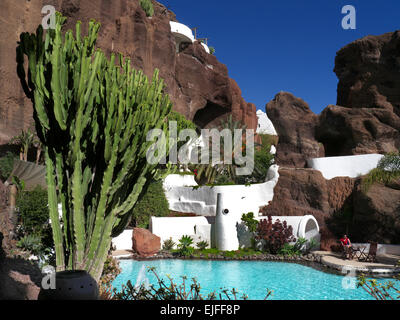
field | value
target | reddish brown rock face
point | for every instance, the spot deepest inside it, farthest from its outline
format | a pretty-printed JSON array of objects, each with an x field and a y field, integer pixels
[
  {"x": 367, "y": 117},
  {"x": 374, "y": 216},
  {"x": 305, "y": 191},
  {"x": 377, "y": 214},
  {"x": 198, "y": 84},
  {"x": 144, "y": 243},
  {"x": 368, "y": 92},
  {"x": 295, "y": 124},
  {"x": 369, "y": 73},
  {"x": 348, "y": 131}
]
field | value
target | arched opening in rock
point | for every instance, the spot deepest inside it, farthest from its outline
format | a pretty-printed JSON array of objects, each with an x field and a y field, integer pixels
[{"x": 208, "y": 114}]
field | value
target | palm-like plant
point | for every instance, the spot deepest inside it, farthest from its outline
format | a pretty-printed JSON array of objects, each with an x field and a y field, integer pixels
[
  {"x": 388, "y": 170},
  {"x": 209, "y": 172},
  {"x": 25, "y": 140}
]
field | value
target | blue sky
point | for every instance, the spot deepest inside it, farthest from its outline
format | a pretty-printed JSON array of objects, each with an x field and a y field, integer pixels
[{"x": 288, "y": 45}]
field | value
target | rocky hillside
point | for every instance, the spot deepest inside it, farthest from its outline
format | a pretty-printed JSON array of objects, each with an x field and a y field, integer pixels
[
  {"x": 367, "y": 120},
  {"x": 198, "y": 84}
]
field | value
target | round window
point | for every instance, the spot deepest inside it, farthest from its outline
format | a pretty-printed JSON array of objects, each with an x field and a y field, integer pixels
[{"x": 225, "y": 211}]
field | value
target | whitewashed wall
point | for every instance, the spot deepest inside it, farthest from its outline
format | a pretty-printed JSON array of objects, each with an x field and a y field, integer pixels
[
  {"x": 230, "y": 233},
  {"x": 123, "y": 241},
  {"x": 202, "y": 201},
  {"x": 347, "y": 166},
  {"x": 265, "y": 125},
  {"x": 175, "y": 227}
]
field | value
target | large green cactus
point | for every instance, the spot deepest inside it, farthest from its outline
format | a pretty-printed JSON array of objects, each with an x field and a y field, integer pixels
[{"x": 92, "y": 115}]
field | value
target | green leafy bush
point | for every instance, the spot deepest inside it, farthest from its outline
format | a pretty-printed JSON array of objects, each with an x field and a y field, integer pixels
[
  {"x": 147, "y": 6},
  {"x": 249, "y": 221},
  {"x": 31, "y": 243},
  {"x": 202, "y": 245},
  {"x": 212, "y": 50},
  {"x": 33, "y": 211},
  {"x": 168, "y": 244},
  {"x": 267, "y": 140},
  {"x": 34, "y": 229},
  {"x": 152, "y": 203},
  {"x": 6, "y": 165},
  {"x": 182, "y": 122},
  {"x": 300, "y": 244},
  {"x": 262, "y": 161},
  {"x": 289, "y": 250}
]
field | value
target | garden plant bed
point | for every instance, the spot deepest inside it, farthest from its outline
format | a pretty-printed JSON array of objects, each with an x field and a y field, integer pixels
[{"x": 211, "y": 254}]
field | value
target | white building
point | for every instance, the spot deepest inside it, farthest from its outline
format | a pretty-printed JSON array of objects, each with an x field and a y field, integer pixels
[
  {"x": 265, "y": 125},
  {"x": 183, "y": 34}
]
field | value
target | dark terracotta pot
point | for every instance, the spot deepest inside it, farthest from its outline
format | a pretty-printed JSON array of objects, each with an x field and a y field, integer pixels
[{"x": 72, "y": 285}]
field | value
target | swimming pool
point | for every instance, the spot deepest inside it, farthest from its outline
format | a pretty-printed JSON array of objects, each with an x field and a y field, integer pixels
[{"x": 289, "y": 281}]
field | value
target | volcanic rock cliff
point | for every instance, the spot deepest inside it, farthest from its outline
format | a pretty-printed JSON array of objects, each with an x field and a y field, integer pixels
[
  {"x": 198, "y": 84},
  {"x": 367, "y": 117},
  {"x": 366, "y": 120}
]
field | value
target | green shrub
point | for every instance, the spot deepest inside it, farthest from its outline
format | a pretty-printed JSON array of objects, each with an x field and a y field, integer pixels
[
  {"x": 6, "y": 165},
  {"x": 223, "y": 180},
  {"x": 249, "y": 221},
  {"x": 288, "y": 250},
  {"x": 31, "y": 243},
  {"x": 168, "y": 244},
  {"x": 262, "y": 161},
  {"x": 152, "y": 203},
  {"x": 184, "y": 247},
  {"x": 202, "y": 245},
  {"x": 267, "y": 140},
  {"x": 212, "y": 50},
  {"x": 300, "y": 244},
  {"x": 147, "y": 6},
  {"x": 182, "y": 122},
  {"x": 34, "y": 229}
]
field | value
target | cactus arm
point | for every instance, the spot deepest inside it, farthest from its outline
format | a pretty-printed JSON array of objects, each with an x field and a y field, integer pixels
[{"x": 53, "y": 210}]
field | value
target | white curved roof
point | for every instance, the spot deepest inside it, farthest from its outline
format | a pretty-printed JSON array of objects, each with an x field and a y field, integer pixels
[
  {"x": 184, "y": 33},
  {"x": 182, "y": 30}
]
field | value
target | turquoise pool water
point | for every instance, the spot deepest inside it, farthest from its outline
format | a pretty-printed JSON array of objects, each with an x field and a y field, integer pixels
[{"x": 289, "y": 281}]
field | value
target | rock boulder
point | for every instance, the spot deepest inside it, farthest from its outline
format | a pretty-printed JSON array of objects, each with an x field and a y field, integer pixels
[
  {"x": 295, "y": 124},
  {"x": 144, "y": 243}
]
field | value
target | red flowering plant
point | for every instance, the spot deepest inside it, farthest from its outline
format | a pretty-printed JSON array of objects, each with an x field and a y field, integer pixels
[{"x": 274, "y": 235}]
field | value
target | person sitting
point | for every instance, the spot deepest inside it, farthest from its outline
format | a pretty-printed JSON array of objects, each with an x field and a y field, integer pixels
[
  {"x": 345, "y": 241},
  {"x": 347, "y": 248}
]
